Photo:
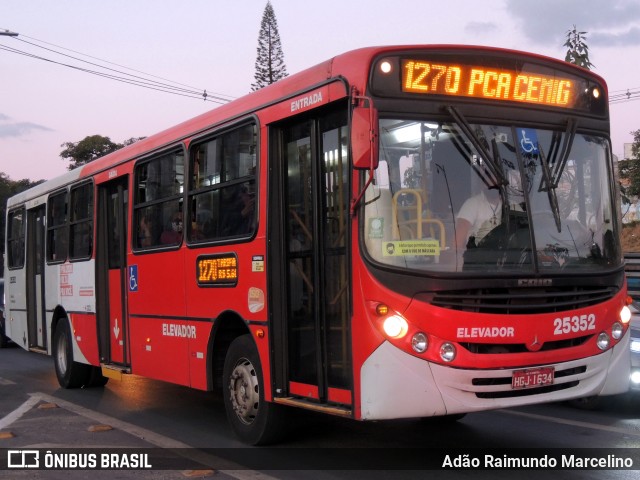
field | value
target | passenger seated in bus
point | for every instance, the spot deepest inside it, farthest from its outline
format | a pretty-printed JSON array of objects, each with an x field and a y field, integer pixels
[
  {"x": 145, "y": 232},
  {"x": 203, "y": 226},
  {"x": 478, "y": 215},
  {"x": 239, "y": 218},
  {"x": 173, "y": 234}
]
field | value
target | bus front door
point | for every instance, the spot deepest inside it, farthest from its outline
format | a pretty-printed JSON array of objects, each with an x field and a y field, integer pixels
[
  {"x": 111, "y": 272},
  {"x": 311, "y": 310},
  {"x": 36, "y": 318}
]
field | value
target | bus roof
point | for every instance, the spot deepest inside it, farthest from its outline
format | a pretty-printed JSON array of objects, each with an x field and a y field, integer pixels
[{"x": 352, "y": 65}]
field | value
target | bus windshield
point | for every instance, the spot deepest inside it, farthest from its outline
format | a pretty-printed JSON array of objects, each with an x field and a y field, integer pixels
[{"x": 460, "y": 197}]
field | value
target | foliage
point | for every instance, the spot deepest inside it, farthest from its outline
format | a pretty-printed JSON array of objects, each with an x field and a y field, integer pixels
[
  {"x": 577, "y": 49},
  {"x": 270, "y": 66},
  {"x": 91, "y": 148},
  {"x": 629, "y": 169}
]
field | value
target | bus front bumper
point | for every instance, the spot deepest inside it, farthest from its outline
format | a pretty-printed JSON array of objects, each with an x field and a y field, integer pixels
[{"x": 395, "y": 384}]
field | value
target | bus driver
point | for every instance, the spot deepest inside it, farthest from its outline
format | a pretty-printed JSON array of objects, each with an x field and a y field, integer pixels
[{"x": 478, "y": 215}]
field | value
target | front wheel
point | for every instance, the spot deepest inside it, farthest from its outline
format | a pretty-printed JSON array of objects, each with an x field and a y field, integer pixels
[
  {"x": 587, "y": 403},
  {"x": 70, "y": 374},
  {"x": 253, "y": 420}
]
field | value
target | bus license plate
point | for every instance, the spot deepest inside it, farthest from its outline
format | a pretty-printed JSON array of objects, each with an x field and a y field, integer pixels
[{"x": 532, "y": 377}]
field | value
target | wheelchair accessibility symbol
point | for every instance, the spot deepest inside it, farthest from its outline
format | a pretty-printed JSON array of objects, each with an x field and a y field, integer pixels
[
  {"x": 528, "y": 140},
  {"x": 133, "y": 278}
]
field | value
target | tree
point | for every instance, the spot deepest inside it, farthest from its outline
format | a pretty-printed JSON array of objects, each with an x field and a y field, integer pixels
[
  {"x": 270, "y": 66},
  {"x": 90, "y": 148},
  {"x": 629, "y": 169},
  {"x": 578, "y": 51}
]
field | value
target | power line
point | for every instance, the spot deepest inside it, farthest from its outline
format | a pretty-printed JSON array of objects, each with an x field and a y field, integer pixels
[
  {"x": 625, "y": 89},
  {"x": 117, "y": 64},
  {"x": 625, "y": 96},
  {"x": 174, "y": 88},
  {"x": 108, "y": 76}
]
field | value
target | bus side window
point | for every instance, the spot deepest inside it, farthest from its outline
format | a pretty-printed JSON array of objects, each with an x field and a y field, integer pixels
[
  {"x": 222, "y": 187},
  {"x": 57, "y": 228},
  {"x": 81, "y": 227},
  {"x": 15, "y": 239},
  {"x": 159, "y": 184}
]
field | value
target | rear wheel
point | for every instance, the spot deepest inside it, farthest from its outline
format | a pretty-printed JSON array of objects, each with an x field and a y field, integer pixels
[
  {"x": 96, "y": 379},
  {"x": 4, "y": 341},
  {"x": 253, "y": 420},
  {"x": 70, "y": 374}
]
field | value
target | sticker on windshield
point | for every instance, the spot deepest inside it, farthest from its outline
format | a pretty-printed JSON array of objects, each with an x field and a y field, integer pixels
[
  {"x": 376, "y": 227},
  {"x": 411, "y": 247},
  {"x": 528, "y": 139}
]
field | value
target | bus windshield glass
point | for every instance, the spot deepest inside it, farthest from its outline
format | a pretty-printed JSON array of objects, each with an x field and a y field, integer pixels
[{"x": 460, "y": 197}]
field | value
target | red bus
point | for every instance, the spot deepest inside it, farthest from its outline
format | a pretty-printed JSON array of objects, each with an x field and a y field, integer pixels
[{"x": 396, "y": 232}]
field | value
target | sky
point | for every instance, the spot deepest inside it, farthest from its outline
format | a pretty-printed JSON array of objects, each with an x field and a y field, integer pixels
[{"x": 211, "y": 44}]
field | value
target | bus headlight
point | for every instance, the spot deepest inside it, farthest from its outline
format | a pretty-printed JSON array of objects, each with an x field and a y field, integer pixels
[
  {"x": 625, "y": 315},
  {"x": 635, "y": 377},
  {"x": 616, "y": 331},
  {"x": 448, "y": 352},
  {"x": 419, "y": 342},
  {"x": 603, "y": 341},
  {"x": 635, "y": 345},
  {"x": 395, "y": 326},
  {"x": 385, "y": 66}
]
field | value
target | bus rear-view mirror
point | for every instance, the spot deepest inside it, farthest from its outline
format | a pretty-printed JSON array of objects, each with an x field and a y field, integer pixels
[{"x": 364, "y": 138}]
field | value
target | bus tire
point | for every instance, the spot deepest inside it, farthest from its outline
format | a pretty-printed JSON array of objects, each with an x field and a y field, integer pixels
[
  {"x": 70, "y": 374},
  {"x": 587, "y": 403},
  {"x": 96, "y": 379},
  {"x": 4, "y": 340},
  {"x": 253, "y": 420}
]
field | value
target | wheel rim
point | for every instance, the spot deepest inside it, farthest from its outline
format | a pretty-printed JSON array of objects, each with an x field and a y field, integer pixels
[
  {"x": 244, "y": 391},
  {"x": 61, "y": 354}
]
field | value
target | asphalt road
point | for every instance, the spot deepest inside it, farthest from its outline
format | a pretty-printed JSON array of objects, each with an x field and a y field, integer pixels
[{"x": 185, "y": 435}]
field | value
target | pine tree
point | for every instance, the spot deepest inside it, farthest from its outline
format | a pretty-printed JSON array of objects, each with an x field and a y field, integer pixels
[
  {"x": 270, "y": 65},
  {"x": 578, "y": 51}
]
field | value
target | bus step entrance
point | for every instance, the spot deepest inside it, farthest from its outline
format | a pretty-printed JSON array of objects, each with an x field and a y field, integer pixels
[
  {"x": 301, "y": 403},
  {"x": 114, "y": 371}
]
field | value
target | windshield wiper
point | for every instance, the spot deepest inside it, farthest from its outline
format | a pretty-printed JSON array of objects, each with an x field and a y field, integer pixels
[
  {"x": 550, "y": 188},
  {"x": 569, "y": 136},
  {"x": 551, "y": 179},
  {"x": 492, "y": 162}
]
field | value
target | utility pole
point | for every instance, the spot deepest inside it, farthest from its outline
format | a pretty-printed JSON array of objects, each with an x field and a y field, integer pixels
[{"x": 7, "y": 33}]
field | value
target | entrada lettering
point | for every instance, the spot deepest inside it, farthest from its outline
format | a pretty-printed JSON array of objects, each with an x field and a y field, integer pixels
[{"x": 306, "y": 101}]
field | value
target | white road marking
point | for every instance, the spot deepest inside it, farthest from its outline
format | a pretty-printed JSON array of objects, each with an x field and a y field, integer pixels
[
  {"x": 18, "y": 412},
  {"x": 149, "y": 436}
]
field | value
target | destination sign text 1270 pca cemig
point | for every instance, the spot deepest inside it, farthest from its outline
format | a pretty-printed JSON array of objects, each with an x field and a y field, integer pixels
[{"x": 485, "y": 82}]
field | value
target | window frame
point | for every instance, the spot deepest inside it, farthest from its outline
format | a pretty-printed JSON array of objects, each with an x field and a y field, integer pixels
[
  {"x": 193, "y": 192},
  {"x": 20, "y": 238},
  {"x": 156, "y": 204},
  {"x": 55, "y": 228},
  {"x": 81, "y": 222}
]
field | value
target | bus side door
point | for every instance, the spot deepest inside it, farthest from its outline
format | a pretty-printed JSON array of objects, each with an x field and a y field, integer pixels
[
  {"x": 310, "y": 292},
  {"x": 111, "y": 272},
  {"x": 36, "y": 318}
]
